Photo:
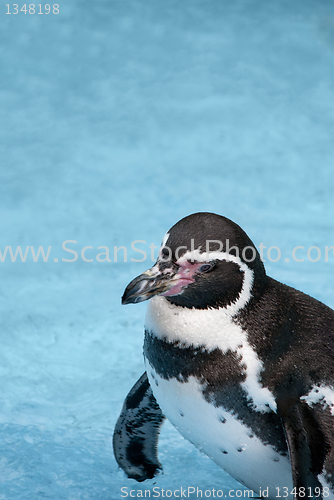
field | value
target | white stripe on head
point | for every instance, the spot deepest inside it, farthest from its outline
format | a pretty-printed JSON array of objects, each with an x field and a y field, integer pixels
[
  {"x": 245, "y": 294},
  {"x": 164, "y": 240}
]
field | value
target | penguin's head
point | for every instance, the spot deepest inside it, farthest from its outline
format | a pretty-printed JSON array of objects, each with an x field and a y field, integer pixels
[{"x": 205, "y": 261}]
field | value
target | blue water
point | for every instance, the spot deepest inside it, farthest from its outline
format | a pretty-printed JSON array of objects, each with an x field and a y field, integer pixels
[{"x": 118, "y": 118}]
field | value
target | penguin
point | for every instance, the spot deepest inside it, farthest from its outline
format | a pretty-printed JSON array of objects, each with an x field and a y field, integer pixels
[{"x": 241, "y": 364}]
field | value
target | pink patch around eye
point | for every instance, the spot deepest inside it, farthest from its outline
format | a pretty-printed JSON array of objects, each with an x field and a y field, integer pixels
[{"x": 185, "y": 276}]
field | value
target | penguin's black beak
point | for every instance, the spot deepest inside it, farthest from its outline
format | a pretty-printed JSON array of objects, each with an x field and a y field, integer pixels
[{"x": 155, "y": 281}]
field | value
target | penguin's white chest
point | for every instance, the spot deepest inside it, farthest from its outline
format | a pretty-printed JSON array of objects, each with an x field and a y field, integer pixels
[{"x": 221, "y": 436}]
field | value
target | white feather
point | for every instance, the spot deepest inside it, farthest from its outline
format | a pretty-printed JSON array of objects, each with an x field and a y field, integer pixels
[{"x": 320, "y": 394}]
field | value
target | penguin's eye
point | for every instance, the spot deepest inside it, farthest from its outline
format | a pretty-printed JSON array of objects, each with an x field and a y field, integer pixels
[
  {"x": 206, "y": 267},
  {"x": 166, "y": 254}
]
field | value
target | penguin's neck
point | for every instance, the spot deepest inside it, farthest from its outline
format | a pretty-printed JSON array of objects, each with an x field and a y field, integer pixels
[{"x": 206, "y": 328}]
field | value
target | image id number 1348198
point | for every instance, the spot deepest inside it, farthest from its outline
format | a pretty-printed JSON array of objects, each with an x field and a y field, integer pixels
[
  {"x": 302, "y": 492},
  {"x": 31, "y": 8}
]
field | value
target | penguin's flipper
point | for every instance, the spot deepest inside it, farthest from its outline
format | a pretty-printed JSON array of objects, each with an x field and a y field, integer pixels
[
  {"x": 307, "y": 446},
  {"x": 137, "y": 431}
]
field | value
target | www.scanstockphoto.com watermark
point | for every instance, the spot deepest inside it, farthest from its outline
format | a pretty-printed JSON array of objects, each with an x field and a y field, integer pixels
[{"x": 72, "y": 253}]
